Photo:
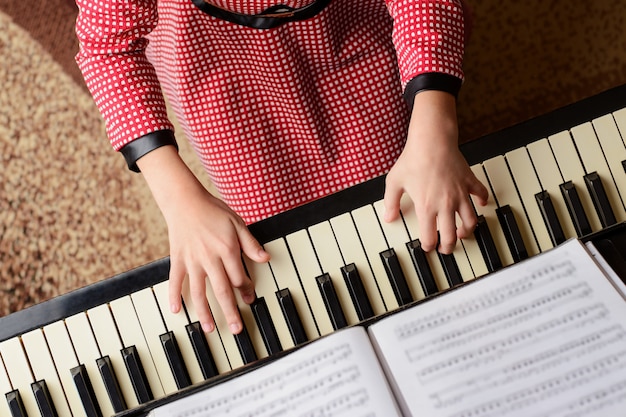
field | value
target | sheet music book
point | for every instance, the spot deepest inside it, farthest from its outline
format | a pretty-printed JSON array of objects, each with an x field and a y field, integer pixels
[{"x": 545, "y": 337}]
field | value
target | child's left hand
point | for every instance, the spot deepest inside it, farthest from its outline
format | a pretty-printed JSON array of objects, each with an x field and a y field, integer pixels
[{"x": 435, "y": 175}]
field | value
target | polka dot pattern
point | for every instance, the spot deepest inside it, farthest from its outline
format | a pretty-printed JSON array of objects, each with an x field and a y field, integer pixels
[{"x": 278, "y": 117}]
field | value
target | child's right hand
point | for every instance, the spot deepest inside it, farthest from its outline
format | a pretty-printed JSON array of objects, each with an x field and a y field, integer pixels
[{"x": 206, "y": 240}]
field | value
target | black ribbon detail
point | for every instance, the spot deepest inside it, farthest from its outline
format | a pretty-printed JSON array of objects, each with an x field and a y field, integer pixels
[{"x": 268, "y": 19}]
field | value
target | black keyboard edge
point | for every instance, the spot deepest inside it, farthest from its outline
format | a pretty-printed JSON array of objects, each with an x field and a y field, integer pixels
[
  {"x": 312, "y": 213},
  {"x": 83, "y": 299},
  {"x": 540, "y": 127}
]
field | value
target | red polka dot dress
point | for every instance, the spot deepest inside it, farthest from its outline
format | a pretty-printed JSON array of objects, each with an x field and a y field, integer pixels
[{"x": 281, "y": 115}]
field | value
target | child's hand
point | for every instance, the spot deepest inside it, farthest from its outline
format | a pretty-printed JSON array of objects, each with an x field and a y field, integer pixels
[
  {"x": 206, "y": 240},
  {"x": 434, "y": 173}
]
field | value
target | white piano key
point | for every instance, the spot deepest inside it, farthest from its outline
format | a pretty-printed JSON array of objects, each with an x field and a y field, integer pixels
[
  {"x": 65, "y": 359},
  {"x": 593, "y": 160},
  {"x": 620, "y": 120},
  {"x": 152, "y": 326},
  {"x": 232, "y": 359},
  {"x": 397, "y": 237},
  {"x": 5, "y": 387},
  {"x": 18, "y": 370},
  {"x": 251, "y": 327},
  {"x": 505, "y": 192},
  {"x": 489, "y": 211},
  {"x": 228, "y": 340},
  {"x": 308, "y": 269},
  {"x": 285, "y": 275},
  {"x": 373, "y": 240},
  {"x": 176, "y": 323},
  {"x": 550, "y": 179},
  {"x": 352, "y": 250},
  {"x": 265, "y": 286},
  {"x": 88, "y": 353},
  {"x": 214, "y": 338},
  {"x": 615, "y": 153},
  {"x": 528, "y": 185},
  {"x": 572, "y": 170},
  {"x": 466, "y": 266},
  {"x": 407, "y": 208},
  {"x": 131, "y": 333},
  {"x": 462, "y": 260},
  {"x": 330, "y": 257},
  {"x": 106, "y": 334},
  {"x": 43, "y": 368}
]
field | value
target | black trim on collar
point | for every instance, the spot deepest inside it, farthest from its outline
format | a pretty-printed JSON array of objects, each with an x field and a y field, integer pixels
[
  {"x": 432, "y": 81},
  {"x": 268, "y": 19},
  {"x": 134, "y": 150}
]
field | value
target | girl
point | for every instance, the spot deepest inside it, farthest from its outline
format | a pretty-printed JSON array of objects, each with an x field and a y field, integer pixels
[{"x": 284, "y": 103}]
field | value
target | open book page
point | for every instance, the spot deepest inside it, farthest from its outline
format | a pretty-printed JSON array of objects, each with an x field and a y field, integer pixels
[
  {"x": 336, "y": 376},
  {"x": 545, "y": 338}
]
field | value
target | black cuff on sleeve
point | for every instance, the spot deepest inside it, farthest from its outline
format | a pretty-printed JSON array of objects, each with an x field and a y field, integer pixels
[
  {"x": 147, "y": 143},
  {"x": 432, "y": 81}
]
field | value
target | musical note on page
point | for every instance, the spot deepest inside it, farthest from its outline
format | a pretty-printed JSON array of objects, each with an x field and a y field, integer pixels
[
  {"x": 337, "y": 376},
  {"x": 545, "y": 337}
]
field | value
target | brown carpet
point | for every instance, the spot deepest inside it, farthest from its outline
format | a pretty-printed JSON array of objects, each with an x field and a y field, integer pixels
[{"x": 70, "y": 212}]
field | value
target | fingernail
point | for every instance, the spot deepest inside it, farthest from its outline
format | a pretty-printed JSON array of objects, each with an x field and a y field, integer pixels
[
  {"x": 234, "y": 328},
  {"x": 207, "y": 327},
  {"x": 174, "y": 308}
]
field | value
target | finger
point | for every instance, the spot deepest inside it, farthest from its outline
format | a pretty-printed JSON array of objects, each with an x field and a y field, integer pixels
[
  {"x": 468, "y": 220},
  {"x": 428, "y": 232},
  {"x": 226, "y": 298},
  {"x": 478, "y": 190},
  {"x": 175, "y": 285},
  {"x": 250, "y": 246},
  {"x": 239, "y": 279},
  {"x": 197, "y": 288},
  {"x": 447, "y": 233},
  {"x": 391, "y": 201}
]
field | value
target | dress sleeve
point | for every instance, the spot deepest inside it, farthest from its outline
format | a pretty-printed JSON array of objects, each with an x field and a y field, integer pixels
[
  {"x": 112, "y": 38},
  {"x": 429, "y": 37}
]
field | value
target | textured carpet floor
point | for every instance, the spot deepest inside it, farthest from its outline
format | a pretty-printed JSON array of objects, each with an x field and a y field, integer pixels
[{"x": 70, "y": 212}]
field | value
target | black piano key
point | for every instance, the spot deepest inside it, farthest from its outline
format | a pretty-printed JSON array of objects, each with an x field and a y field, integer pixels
[
  {"x": 175, "y": 360},
  {"x": 424, "y": 273},
  {"x": 292, "y": 318},
  {"x": 331, "y": 301},
  {"x": 575, "y": 208},
  {"x": 396, "y": 277},
  {"x": 105, "y": 366},
  {"x": 487, "y": 245},
  {"x": 201, "y": 350},
  {"x": 600, "y": 199},
  {"x": 624, "y": 165},
  {"x": 85, "y": 391},
  {"x": 513, "y": 236},
  {"x": 357, "y": 292},
  {"x": 43, "y": 399},
  {"x": 137, "y": 374},
  {"x": 266, "y": 326},
  {"x": 450, "y": 268},
  {"x": 245, "y": 346},
  {"x": 14, "y": 400},
  {"x": 546, "y": 207}
]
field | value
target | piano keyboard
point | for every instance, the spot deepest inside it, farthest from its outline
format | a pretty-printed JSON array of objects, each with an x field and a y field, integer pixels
[{"x": 113, "y": 347}]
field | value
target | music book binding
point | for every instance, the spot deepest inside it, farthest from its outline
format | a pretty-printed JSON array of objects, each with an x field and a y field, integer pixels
[{"x": 544, "y": 337}]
